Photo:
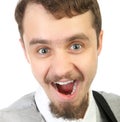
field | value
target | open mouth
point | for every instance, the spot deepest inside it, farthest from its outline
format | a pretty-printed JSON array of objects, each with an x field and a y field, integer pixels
[{"x": 66, "y": 87}]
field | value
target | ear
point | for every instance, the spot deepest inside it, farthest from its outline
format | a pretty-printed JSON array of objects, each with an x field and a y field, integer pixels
[
  {"x": 100, "y": 42},
  {"x": 23, "y": 47}
]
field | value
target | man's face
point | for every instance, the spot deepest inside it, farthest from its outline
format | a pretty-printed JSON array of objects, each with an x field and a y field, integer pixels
[{"x": 62, "y": 53}]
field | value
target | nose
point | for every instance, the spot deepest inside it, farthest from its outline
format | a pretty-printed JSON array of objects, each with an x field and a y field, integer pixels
[{"x": 61, "y": 65}]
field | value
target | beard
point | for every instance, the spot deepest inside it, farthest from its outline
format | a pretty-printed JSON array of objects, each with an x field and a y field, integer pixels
[{"x": 69, "y": 111}]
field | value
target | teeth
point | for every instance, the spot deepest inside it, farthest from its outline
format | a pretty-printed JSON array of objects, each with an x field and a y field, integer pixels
[
  {"x": 67, "y": 82},
  {"x": 64, "y": 83},
  {"x": 74, "y": 88}
]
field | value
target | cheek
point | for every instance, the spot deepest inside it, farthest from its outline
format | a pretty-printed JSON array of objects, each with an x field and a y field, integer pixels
[
  {"x": 88, "y": 65},
  {"x": 39, "y": 70}
]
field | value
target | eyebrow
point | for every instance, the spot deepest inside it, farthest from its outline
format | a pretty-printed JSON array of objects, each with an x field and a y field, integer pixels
[
  {"x": 81, "y": 36},
  {"x": 38, "y": 41}
]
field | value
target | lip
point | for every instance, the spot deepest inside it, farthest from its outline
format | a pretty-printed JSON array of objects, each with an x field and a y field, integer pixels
[{"x": 65, "y": 98}]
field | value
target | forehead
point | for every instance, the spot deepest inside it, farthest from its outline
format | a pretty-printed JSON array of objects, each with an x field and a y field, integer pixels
[
  {"x": 37, "y": 10},
  {"x": 38, "y": 21}
]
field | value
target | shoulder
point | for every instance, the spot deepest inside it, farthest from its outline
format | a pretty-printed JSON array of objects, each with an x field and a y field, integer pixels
[
  {"x": 114, "y": 102},
  {"x": 111, "y": 98},
  {"x": 23, "y": 110}
]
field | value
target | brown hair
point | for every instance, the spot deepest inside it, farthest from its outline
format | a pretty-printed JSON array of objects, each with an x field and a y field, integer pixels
[{"x": 60, "y": 9}]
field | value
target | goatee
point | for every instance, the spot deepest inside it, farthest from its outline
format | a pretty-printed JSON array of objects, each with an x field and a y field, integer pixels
[{"x": 69, "y": 111}]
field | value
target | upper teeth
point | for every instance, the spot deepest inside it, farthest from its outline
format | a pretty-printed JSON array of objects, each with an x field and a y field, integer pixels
[{"x": 64, "y": 83}]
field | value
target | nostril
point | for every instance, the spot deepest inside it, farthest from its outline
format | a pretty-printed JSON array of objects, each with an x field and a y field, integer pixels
[{"x": 60, "y": 67}]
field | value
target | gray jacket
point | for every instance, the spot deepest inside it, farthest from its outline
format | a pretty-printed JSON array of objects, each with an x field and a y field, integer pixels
[{"x": 25, "y": 109}]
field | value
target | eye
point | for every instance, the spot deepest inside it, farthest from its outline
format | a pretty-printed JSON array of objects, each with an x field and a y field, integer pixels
[
  {"x": 76, "y": 47},
  {"x": 43, "y": 51}
]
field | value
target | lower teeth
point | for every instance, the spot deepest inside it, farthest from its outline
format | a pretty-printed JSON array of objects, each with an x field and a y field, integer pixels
[
  {"x": 74, "y": 88},
  {"x": 65, "y": 92}
]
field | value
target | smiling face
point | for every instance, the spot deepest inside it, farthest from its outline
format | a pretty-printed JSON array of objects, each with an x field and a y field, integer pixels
[{"x": 63, "y": 55}]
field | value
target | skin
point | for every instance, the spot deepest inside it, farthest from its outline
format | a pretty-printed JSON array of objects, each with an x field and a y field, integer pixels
[{"x": 61, "y": 50}]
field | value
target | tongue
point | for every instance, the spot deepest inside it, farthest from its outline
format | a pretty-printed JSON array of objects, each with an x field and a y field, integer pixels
[{"x": 66, "y": 89}]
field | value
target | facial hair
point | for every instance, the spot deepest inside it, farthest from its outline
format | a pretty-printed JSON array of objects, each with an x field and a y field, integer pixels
[{"x": 69, "y": 111}]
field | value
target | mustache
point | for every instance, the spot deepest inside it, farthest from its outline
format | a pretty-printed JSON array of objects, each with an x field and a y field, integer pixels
[{"x": 71, "y": 76}]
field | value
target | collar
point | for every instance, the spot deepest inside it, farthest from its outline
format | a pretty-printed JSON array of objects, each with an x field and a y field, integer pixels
[{"x": 42, "y": 103}]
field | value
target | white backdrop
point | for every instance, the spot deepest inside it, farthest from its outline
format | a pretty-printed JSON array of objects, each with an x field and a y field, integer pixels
[{"x": 15, "y": 75}]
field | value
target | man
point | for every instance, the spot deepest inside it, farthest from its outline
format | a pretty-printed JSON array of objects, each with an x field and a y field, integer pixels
[{"x": 62, "y": 40}]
